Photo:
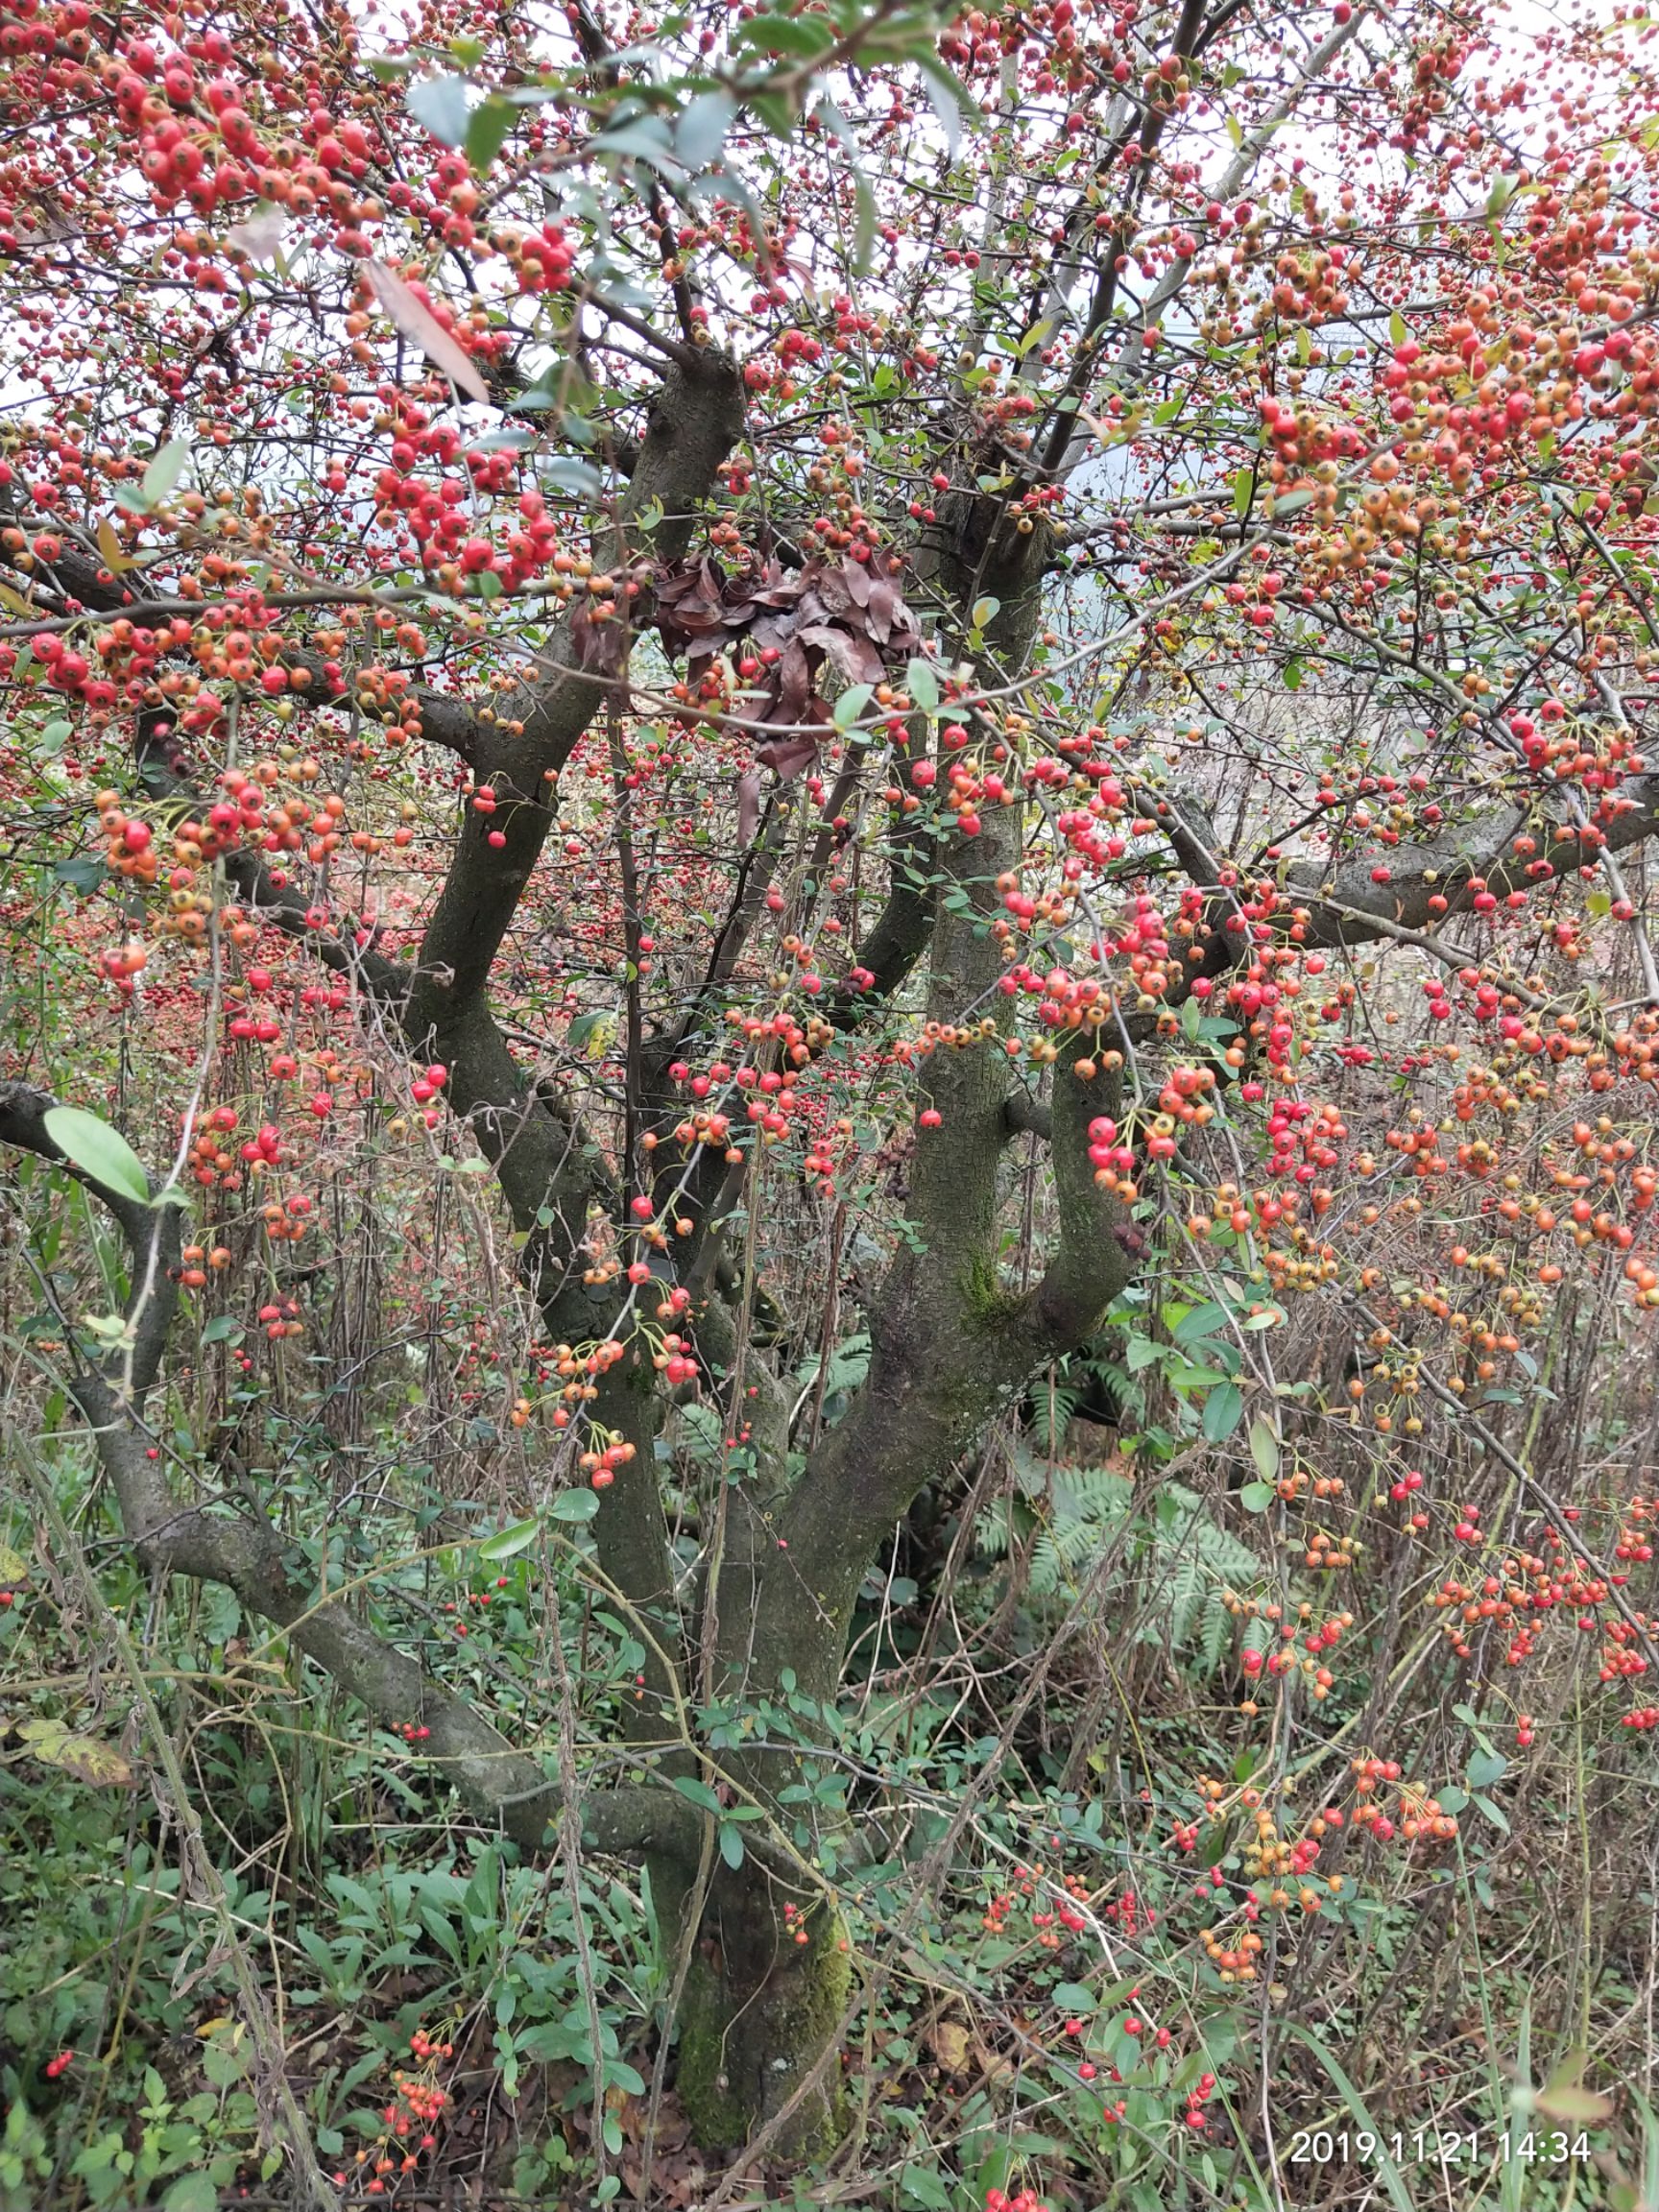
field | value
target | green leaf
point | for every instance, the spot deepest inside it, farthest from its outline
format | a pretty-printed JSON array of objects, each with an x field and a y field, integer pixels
[
  {"x": 568, "y": 475},
  {"x": 1223, "y": 1410},
  {"x": 1243, "y": 491},
  {"x": 699, "y": 1793},
  {"x": 1257, "y": 1496},
  {"x": 923, "y": 684},
  {"x": 1197, "y": 1323},
  {"x": 699, "y": 134},
  {"x": 1494, "y": 1812},
  {"x": 1503, "y": 189},
  {"x": 922, "y": 2185},
  {"x": 164, "y": 472},
  {"x": 942, "y": 96},
  {"x": 730, "y": 1842},
  {"x": 488, "y": 130},
  {"x": 806, "y": 36},
  {"x": 223, "y": 1329},
  {"x": 191, "y": 2193},
  {"x": 776, "y": 111},
  {"x": 985, "y": 612},
  {"x": 81, "y": 872},
  {"x": 644, "y": 140},
  {"x": 506, "y": 1542},
  {"x": 943, "y": 86},
  {"x": 1484, "y": 1768},
  {"x": 1265, "y": 1448},
  {"x": 441, "y": 105},
  {"x": 98, "y": 1150},
  {"x": 1398, "y": 329},
  {"x": 852, "y": 704},
  {"x": 864, "y": 232},
  {"x": 575, "y": 1505}
]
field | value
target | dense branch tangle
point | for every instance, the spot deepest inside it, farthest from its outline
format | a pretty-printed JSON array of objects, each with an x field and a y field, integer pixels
[{"x": 463, "y": 725}]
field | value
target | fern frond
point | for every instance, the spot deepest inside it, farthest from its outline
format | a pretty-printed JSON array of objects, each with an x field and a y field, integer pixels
[
  {"x": 1212, "y": 1630},
  {"x": 991, "y": 1534}
]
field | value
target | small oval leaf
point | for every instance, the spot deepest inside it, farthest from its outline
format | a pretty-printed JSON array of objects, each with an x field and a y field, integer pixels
[
  {"x": 575, "y": 1505},
  {"x": 506, "y": 1542},
  {"x": 699, "y": 134},
  {"x": 440, "y": 104},
  {"x": 1265, "y": 1448},
  {"x": 164, "y": 470}
]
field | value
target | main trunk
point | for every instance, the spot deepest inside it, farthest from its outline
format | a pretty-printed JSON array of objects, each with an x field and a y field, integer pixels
[
  {"x": 766, "y": 1994},
  {"x": 761, "y": 2016}
]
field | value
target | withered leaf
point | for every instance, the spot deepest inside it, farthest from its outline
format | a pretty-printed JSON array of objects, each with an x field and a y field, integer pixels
[
  {"x": 748, "y": 804},
  {"x": 788, "y": 756},
  {"x": 418, "y": 322},
  {"x": 80, "y": 1756},
  {"x": 950, "y": 2044},
  {"x": 855, "y": 657}
]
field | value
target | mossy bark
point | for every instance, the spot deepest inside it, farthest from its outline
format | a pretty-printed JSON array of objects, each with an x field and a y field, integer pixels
[{"x": 761, "y": 2013}]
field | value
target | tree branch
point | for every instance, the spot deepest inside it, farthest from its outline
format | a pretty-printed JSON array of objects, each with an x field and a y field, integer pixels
[
  {"x": 695, "y": 420},
  {"x": 247, "y": 1555}
]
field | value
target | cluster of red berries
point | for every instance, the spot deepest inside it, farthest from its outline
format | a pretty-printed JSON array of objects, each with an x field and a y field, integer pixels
[
  {"x": 428, "y": 1085},
  {"x": 1159, "y": 2039},
  {"x": 1194, "y": 2116},
  {"x": 58, "y": 2065},
  {"x": 600, "y": 1467},
  {"x": 473, "y": 1598},
  {"x": 1034, "y": 1887},
  {"x": 414, "y": 2111},
  {"x": 279, "y": 1317}
]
